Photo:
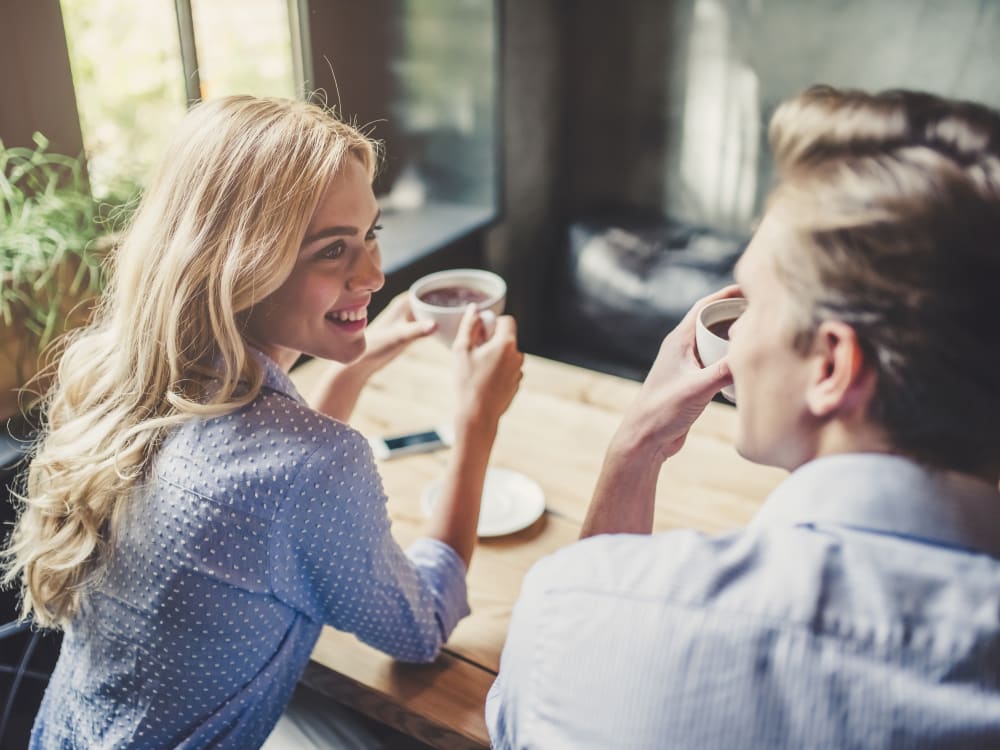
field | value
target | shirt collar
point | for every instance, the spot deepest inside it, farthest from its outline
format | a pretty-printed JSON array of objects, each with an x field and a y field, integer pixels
[
  {"x": 274, "y": 377},
  {"x": 892, "y": 495}
]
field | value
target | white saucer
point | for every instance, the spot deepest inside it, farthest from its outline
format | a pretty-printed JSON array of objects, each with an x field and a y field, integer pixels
[{"x": 511, "y": 502}]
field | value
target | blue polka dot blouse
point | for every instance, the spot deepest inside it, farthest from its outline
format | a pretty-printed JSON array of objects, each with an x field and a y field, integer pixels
[{"x": 253, "y": 530}]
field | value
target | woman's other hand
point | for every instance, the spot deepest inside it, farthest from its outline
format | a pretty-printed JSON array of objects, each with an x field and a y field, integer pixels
[
  {"x": 487, "y": 368},
  {"x": 488, "y": 372}
]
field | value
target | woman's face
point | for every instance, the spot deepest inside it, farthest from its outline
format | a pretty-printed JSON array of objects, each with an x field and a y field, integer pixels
[{"x": 322, "y": 307}]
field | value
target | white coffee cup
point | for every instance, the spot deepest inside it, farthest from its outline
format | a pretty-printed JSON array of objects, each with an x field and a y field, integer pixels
[
  {"x": 443, "y": 297},
  {"x": 712, "y": 333}
]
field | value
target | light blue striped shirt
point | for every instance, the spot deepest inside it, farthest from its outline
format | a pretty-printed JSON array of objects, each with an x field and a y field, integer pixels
[
  {"x": 254, "y": 530},
  {"x": 860, "y": 609}
]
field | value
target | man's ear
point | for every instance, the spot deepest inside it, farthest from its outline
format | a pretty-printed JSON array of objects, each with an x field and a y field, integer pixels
[{"x": 840, "y": 380}]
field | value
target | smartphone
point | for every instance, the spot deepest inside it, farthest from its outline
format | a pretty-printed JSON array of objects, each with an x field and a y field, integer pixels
[{"x": 411, "y": 442}]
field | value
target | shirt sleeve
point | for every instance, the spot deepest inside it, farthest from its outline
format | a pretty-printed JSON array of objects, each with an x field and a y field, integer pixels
[
  {"x": 332, "y": 557},
  {"x": 512, "y": 693}
]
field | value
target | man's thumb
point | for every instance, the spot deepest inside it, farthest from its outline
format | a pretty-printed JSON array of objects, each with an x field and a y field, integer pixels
[{"x": 713, "y": 378}]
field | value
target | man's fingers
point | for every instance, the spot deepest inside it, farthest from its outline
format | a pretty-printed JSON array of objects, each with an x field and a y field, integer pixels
[
  {"x": 733, "y": 290},
  {"x": 711, "y": 379}
]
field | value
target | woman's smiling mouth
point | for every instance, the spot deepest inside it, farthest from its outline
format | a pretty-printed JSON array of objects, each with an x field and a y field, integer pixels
[{"x": 352, "y": 319}]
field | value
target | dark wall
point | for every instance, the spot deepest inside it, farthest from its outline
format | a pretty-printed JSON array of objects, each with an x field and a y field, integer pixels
[
  {"x": 37, "y": 87},
  {"x": 614, "y": 95},
  {"x": 584, "y": 125},
  {"x": 349, "y": 67},
  {"x": 520, "y": 246},
  {"x": 662, "y": 105}
]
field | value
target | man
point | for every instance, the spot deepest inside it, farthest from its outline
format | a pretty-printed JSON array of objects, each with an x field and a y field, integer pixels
[{"x": 861, "y": 606}]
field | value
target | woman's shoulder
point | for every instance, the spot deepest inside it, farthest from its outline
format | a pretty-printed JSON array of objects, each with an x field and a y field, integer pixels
[{"x": 275, "y": 435}]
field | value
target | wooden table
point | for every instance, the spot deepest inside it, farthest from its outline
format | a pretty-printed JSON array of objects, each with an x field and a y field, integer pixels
[{"x": 555, "y": 432}]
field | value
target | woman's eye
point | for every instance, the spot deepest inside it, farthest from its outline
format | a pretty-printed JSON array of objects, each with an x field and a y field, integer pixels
[
  {"x": 371, "y": 232},
  {"x": 332, "y": 252}
]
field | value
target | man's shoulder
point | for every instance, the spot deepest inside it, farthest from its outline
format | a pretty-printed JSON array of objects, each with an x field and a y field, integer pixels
[{"x": 681, "y": 563}]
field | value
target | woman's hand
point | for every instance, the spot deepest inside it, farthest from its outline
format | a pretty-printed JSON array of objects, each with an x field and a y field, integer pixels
[
  {"x": 487, "y": 368},
  {"x": 390, "y": 333},
  {"x": 387, "y": 336},
  {"x": 488, "y": 373},
  {"x": 676, "y": 390}
]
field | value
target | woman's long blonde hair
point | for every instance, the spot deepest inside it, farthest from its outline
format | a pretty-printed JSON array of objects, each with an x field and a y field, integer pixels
[{"x": 218, "y": 230}]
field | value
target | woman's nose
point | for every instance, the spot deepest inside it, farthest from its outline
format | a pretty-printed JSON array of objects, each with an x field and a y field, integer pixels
[{"x": 366, "y": 273}]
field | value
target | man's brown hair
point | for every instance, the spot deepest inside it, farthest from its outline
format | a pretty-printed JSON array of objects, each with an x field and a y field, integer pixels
[{"x": 895, "y": 201}]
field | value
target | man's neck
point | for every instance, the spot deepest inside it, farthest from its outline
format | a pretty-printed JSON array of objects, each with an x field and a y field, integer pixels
[
  {"x": 856, "y": 436},
  {"x": 837, "y": 438}
]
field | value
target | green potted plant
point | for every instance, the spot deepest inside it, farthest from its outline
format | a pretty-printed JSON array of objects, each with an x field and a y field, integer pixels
[{"x": 53, "y": 233}]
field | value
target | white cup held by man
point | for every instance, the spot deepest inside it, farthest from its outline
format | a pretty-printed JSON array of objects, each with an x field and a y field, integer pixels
[
  {"x": 443, "y": 297},
  {"x": 712, "y": 333}
]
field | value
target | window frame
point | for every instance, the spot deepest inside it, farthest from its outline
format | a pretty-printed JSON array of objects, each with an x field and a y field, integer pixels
[{"x": 43, "y": 98}]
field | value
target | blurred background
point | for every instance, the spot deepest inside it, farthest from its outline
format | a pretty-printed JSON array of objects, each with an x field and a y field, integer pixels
[
  {"x": 506, "y": 122},
  {"x": 608, "y": 159}
]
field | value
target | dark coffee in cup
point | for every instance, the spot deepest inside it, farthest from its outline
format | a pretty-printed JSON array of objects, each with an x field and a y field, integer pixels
[
  {"x": 443, "y": 297},
  {"x": 453, "y": 296},
  {"x": 721, "y": 328}
]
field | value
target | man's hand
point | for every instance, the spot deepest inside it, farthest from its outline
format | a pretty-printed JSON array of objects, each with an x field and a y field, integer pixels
[
  {"x": 674, "y": 394},
  {"x": 676, "y": 390}
]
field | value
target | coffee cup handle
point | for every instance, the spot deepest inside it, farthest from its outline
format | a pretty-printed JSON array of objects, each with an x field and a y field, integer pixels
[{"x": 489, "y": 319}]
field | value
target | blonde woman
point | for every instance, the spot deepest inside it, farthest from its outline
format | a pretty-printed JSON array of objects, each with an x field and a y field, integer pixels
[{"x": 188, "y": 520}]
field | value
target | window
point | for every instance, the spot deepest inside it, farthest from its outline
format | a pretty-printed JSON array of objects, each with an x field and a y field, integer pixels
[
  {"x": 734, "y": 61},
  {"x": 130, "y": 69},
  {"x": 243, "y": 47},
  {"x": 425, "y": 75},
  {"x": 129, "y": 84},
  {"x": 421, "y": 75}
]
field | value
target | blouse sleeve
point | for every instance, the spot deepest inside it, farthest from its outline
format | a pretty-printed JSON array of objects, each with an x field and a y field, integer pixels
[{"x": 333, "y": 558}]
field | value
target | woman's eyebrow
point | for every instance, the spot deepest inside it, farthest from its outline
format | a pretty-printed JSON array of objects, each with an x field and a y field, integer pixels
[{"x": 337, "y": 231}]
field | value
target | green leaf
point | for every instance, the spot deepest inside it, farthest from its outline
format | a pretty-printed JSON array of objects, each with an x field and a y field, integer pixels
[{"x": 47, "y": 216}]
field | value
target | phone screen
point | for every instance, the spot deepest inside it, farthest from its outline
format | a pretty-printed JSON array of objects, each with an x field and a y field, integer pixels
[{"x": 415, "y": 438}]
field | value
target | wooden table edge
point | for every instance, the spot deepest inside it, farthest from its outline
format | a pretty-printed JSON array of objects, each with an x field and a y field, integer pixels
[{"x": 389, "y": 709}]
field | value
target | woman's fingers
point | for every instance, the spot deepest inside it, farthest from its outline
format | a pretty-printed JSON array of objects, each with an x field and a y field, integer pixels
[
  {"x": 469, "y": 333},
  {"x": 397, "y": 309},
  {"x": 506, "y": 327},
  {"x": 410, "y": 332}
]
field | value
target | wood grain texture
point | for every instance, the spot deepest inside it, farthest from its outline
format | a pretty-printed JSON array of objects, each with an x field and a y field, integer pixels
[
  {"x": 555, "y": 432},
  {"x": 440, "y": 704}
]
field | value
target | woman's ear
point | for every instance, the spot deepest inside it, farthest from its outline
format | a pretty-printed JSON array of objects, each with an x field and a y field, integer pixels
[{"x": 840, "y": 380}]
